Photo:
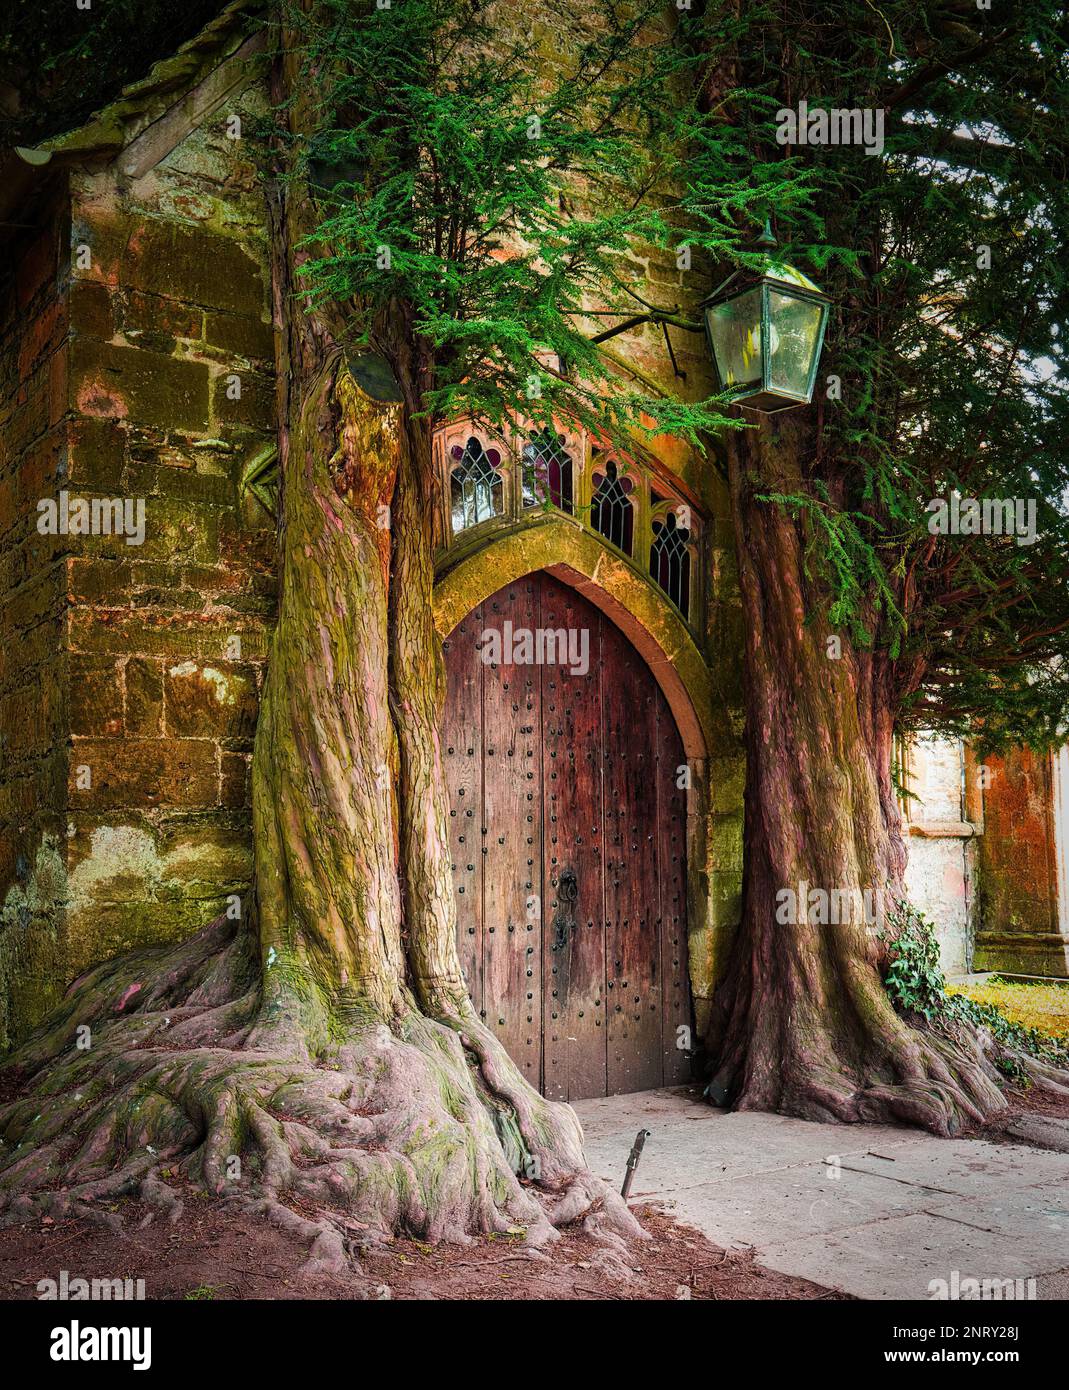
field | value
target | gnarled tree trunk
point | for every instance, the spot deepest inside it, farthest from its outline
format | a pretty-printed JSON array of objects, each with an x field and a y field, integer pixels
[
  {"x": 321, "y": 1049},
  {"x": 802, "y": 1023}
]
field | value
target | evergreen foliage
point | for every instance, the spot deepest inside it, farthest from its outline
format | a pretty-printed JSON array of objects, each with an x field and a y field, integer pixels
[
  {"x": 482, "y": 172},
  {"x": 952, "y": 374},
  {"x": 659, "y": 126}
]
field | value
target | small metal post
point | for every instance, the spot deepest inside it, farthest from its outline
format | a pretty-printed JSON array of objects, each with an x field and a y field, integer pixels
[{"x": 632, "y": 1161}]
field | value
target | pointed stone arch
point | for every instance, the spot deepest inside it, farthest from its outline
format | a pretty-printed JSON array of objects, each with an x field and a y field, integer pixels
[{"x": 646, "y": 617}]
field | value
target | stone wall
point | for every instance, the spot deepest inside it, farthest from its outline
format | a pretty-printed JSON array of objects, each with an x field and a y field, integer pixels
[
  {"x": 169, "y": 396},
  {"x": 1018, "y": 929},
  {"x": 942, "y": 842},
  {"x": 33, "y": 671}
]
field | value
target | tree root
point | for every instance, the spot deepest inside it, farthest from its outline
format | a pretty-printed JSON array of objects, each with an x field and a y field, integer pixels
[
  {"x": 891, "y": 1070},
  {"x": 410, "y": 1125}
]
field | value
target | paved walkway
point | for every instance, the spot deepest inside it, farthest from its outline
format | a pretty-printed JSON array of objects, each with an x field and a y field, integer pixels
[{"x": 874, "y": 1210}]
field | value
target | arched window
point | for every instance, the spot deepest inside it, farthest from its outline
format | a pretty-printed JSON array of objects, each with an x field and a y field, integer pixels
[
  {"x": 547, "y": 472},
  {"x": 476, "y": 487},
  {"x": 611, "y": 511},
  {"x": 670, "y": 560}
]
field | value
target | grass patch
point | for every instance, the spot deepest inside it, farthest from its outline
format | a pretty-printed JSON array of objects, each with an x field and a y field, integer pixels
[{"x": 1044, "y": 1007}]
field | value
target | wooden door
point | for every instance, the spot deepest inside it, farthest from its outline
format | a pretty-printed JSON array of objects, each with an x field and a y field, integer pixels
[{"x": 568, "y": 835}]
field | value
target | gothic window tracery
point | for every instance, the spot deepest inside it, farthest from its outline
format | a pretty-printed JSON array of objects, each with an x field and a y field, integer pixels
[
  {"x": 476, "y": 485},
  {"x": 611, "y": 510}
]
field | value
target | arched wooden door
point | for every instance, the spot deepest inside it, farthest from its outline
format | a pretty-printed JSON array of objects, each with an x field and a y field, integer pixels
[{"x": 568, "y": 838}]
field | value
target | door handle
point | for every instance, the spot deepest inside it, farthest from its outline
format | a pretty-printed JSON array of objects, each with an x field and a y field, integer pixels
[{"x": 564, "y": 918}]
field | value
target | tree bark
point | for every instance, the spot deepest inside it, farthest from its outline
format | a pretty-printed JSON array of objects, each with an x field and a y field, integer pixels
[
  {"x": 802, "y": 1022},
  {"x": 322, "y": 1051}
]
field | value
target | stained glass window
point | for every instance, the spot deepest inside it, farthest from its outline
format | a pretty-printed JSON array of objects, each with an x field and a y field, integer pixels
[
  {"x": 670, "y": 560},
  {"x": 611, "y": 511},
  {"x": 476, "y": 487},
  {"x": 547, "y": 472}
]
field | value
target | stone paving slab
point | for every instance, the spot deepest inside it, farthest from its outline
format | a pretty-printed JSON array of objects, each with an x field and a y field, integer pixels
[
  {"x": 899, "y": 1257},
  {"x": 965, "y": 1167},
  {"x": 1037, "y": 1215},
  {"x": 876, "y": 1211},
  {"x": 795, "y": 1204}
]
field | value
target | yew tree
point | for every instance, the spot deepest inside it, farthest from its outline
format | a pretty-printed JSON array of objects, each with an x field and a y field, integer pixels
[
  {"x": 450, "y": 185},
  {"x": 942, "y": 389}
]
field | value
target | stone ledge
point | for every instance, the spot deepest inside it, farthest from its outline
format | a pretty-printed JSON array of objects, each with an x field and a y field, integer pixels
[
  {"x": 1023, "y": 953},
  {"x": 944, "y": 829}
]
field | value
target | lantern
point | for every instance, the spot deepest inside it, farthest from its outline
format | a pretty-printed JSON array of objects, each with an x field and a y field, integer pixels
[{"x": 765, "y": 331}]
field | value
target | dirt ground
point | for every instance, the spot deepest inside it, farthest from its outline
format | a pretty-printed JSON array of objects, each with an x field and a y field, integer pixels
[
  {"x": 1023, "y": 1102},
  {"x": 216, "y": 1253}
]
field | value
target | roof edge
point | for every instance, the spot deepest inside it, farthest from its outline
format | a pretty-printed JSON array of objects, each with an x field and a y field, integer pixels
[{"x": 109, "y": 130}]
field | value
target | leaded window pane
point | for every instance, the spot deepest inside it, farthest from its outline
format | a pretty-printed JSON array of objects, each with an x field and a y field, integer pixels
[
  {"x": 547, "y": 472},
  {"x": 611, "y": 511},
  {"x": 476, "y": 487},
  {"x": 670, "y": 560}
]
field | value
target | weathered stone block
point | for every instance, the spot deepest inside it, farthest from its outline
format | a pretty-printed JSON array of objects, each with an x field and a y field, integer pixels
[
  {"x": 138, "y": 773},
  {"x": 110, "y": 859},
  {"x": 144, "y": 697},
  {"x": 91, "y": 310},
  {"x": 95, "y": 455},
  {"x": 1023, "y": 953},
  {"x": 98, "y": 581},
  {"x": 161, "y": 316},
  {"x": 35, "y": 602},
  {"x": 175, "y": 532},
  {"x": 128, "y": 383},
  {"x": 216, "y": 700},
  {"x": 188, "y": 263},
  {"x": 42, "y": 335},
  {"x": 29, "y": 420},
  {"x": 96, "y": 706},
  {"x": 180, "y": 635},
  {"x": 181, "y": 484},
  {"x": 205, "y": 855},
  {"x": 100, "y": 933},
  {"x": 39, "y": 470},
  {"x": 235, "y": 786},
  {"x": 39, "y": 267},
  {"x": 255, "y": 406},
  {"x": 244, "y": 336}
]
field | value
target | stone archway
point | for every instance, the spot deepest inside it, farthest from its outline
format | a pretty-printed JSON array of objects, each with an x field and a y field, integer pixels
[{"x": 649, "y": 621}]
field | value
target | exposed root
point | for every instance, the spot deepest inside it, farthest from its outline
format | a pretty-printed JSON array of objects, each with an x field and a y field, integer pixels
[
  {"x": 891, "y": 1070},
  {"x": 410, "y": 1125}
]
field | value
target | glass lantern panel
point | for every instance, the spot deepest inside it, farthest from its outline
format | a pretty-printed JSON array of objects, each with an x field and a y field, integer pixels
[
  {"x": 793, "y": 340},
  {"x": 735, "y": 333}
]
